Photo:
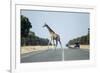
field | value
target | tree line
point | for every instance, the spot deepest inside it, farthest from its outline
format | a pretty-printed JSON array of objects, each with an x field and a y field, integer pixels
[
  {"x": 28, "y": 37},
  {"x": 83, "y": 40}
]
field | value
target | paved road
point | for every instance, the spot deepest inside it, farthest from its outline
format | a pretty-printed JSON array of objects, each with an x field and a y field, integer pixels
[{"x": 55, "y": 55}]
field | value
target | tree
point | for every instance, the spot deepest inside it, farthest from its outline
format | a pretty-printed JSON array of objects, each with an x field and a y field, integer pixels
[
  {"x": 82, "y": 40},
  {"x": 25, "y": 28}
]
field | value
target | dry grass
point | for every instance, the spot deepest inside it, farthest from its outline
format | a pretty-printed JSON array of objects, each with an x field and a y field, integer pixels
[
  {"x": 27, "y": 49},
  {"x": 83, "y": 46}
]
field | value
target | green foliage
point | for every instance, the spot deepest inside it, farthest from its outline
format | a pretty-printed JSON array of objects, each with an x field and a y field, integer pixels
[
  {"x": 82, "y": 40},
  {"x": 32, "y": 39},
  {"x": 25, "y": 26}
]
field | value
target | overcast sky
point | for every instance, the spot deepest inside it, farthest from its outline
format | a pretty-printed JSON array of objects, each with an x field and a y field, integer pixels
[{"x": 68, "y": 25}]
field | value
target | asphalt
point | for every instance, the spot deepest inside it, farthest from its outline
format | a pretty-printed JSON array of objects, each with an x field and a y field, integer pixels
[{"x": 56, "y": 55}]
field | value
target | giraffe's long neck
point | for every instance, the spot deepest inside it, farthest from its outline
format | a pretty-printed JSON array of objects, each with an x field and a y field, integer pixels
[{"x": 50, "y": 30}]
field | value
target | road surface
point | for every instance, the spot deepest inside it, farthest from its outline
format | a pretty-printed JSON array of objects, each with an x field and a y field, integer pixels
[{"x": 55, "y": 55}]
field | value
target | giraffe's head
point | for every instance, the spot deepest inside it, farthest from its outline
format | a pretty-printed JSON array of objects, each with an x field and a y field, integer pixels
[{"x": 45, "y": 25}]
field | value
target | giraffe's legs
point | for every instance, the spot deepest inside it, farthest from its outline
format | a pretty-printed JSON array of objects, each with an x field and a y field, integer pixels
[
  {"x": 58, "y": 40},
  {"x": 60, "y": 43},
  {"x": 49, "y": 43},
  {"x": 56, "y": 43}
]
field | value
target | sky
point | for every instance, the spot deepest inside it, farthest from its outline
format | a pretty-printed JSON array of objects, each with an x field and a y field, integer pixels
[{"x": 68, "y": 25}]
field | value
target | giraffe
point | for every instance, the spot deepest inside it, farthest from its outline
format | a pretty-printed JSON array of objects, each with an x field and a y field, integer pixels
[{"x": 54, "y": 36}]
